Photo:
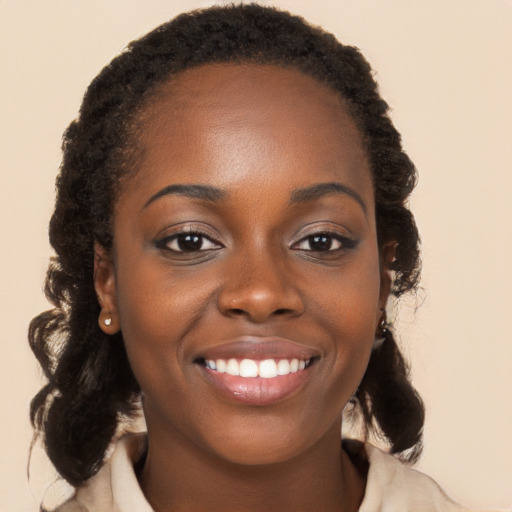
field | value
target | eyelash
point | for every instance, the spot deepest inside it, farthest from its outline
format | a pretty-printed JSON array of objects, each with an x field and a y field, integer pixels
[
  {"x": 344, "y": 243},
  {"x": 193, "y": 235}
]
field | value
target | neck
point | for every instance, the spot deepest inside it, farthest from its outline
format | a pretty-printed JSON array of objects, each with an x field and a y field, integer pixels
[{"x": 180, "y": 476}]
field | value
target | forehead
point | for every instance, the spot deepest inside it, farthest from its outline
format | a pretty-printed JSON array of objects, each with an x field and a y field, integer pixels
[
  {"x": 225, "y": 86},
  {"x": 229, "y": 122}
]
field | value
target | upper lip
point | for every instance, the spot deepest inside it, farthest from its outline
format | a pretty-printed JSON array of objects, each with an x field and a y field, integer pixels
[{"x": 259, "y": 348}]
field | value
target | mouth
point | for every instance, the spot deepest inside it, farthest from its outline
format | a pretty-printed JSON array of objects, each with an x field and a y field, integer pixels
[
  {"x": 253, "y": 368},
  {"x": 258, "y": 371}
]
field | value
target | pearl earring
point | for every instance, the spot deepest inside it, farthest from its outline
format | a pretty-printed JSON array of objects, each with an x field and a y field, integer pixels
[{"x": 107, "y": 321}]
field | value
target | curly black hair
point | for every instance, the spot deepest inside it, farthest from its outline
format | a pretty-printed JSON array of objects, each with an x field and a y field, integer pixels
[{"x": 90, "y": 386}]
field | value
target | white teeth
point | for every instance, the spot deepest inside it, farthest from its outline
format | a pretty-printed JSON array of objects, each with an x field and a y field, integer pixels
[
  {"x": 283, "y": 367},
  {"x": 232, "y": 368},
  {"x": 248, "y": 368},
  {"x": 267, "y": 369}
]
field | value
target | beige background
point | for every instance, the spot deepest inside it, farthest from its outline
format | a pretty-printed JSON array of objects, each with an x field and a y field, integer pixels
[{"x": 446, "y": 69}]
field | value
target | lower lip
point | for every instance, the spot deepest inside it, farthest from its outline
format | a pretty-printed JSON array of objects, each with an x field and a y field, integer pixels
[{"x": 257, "y": 390}]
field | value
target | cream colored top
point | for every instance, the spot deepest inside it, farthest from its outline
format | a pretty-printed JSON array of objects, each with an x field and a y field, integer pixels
[{"x": 391, "y": 486}]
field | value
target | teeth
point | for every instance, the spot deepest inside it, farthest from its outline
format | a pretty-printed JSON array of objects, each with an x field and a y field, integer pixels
[
  {"x": 267, "y": 369},
  {"x": 233, "y": 367},
  {"x": 283, "y": 367},
  {"x": 248, "y": 368}
]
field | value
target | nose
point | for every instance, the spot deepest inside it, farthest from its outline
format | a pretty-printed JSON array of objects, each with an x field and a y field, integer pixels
[{"x": 260, "y": 289}]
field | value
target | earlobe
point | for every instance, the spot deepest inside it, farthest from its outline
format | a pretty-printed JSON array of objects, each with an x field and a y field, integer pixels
[
  {"x": 105, "y": 286},
  {"x": 387, "y": 256}
]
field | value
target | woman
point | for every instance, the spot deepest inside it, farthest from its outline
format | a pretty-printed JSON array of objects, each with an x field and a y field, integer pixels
[{"x": 229, "y": 226}]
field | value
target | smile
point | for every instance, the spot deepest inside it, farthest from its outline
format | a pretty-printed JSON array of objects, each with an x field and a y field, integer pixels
[
  {"x": 251, "y": 368},
  {"x": 258, "y": 371}
]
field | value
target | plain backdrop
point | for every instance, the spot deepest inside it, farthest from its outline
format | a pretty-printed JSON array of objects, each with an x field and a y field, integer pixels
[{"x": 445, "y": 67}]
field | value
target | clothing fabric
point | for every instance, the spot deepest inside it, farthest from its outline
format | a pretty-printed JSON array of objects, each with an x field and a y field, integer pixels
[{"x": 391, "y": 486}]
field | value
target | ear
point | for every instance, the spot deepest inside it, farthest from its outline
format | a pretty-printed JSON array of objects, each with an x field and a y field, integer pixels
[
  {"x": 387, "y": 256},
  {"x": 105, "y": 286}
]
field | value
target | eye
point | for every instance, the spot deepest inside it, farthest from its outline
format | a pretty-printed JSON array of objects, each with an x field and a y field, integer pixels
[
  {"x": 188, "y": 242},
  {"x": 324, "y": 242}
]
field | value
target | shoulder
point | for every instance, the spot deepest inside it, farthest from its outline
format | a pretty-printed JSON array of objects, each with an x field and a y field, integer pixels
[
  {"x": 392, "y": 485},
  {"x": 115, "y": 487},
  {"x": 71, "y": 506}
]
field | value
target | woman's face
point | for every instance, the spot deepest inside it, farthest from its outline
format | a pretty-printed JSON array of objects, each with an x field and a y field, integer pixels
[{"x": 246, "y": 241}]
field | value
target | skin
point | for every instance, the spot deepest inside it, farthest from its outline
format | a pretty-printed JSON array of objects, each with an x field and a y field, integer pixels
[{"x": 258, "y": 133}]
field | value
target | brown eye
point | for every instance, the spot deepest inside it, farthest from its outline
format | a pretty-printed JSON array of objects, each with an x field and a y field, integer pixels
[
  {"x": 320, "y": 242},
  {"x": 189, "y": 242}
]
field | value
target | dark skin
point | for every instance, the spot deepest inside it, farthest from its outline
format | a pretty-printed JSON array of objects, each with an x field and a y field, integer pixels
[{"x": 276, "y": 250}]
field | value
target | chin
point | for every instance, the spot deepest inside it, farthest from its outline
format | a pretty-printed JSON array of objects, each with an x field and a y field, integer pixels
[
  {"x": 258, "y": 452},
  {"x": 265, "y": 441}
]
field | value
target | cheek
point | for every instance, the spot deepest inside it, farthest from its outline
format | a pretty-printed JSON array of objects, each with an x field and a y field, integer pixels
[
  {"x": 348, "y": 298},
  {"x": 349, "y": 311},
  {"x": 156, "y": 310}
]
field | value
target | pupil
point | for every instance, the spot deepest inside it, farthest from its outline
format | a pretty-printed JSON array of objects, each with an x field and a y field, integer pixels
[
  {"x": 320, "y": 242},
  {"x": 190, "y": 242}
]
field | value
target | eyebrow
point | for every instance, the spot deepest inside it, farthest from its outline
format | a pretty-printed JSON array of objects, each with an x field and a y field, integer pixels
[
  {"x": 214, "y": 194},
  {"x": 303, "y": 195},
  {"x": 204, "y": 192}
]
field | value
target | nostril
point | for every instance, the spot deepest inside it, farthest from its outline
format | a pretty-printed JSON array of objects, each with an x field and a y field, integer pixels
[
  {"x": 283, "y": 311},
  {"x": 258, "y": 303}
]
